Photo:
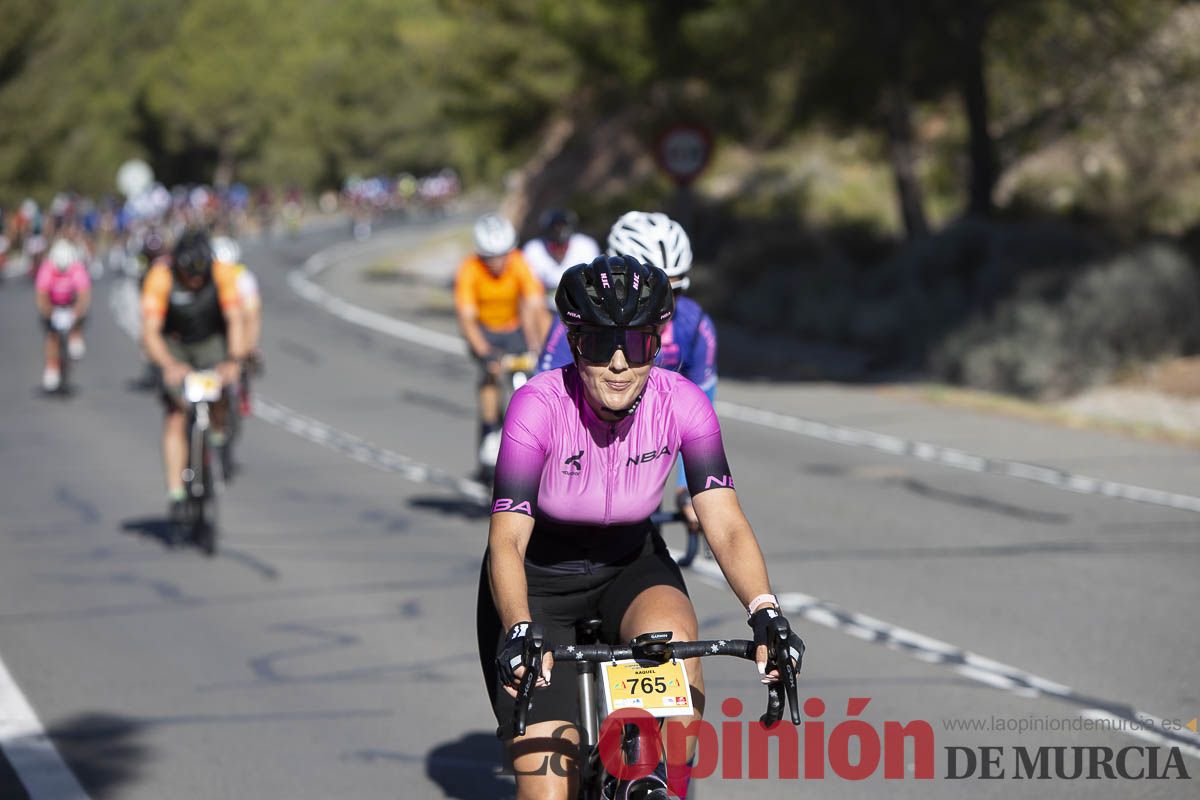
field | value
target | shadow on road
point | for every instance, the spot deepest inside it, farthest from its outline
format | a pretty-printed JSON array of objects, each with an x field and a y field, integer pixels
[
  {"x": 469, "y": 768},
  {"x": 67, "y": 392},
  {"x": 920, "y": 488},
  {"x": 145, "y": 383},
  {"x": 157, "y": 529},
  {"x": 105, "y": 751},
  {"x": 980, "y": 503},
  {"x": 458, "y": 506}
]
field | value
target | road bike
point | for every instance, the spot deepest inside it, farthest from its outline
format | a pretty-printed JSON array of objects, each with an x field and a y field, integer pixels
[
  {"x": 653, "y": 664},
  {"x": 201, "y": 391},
  {"x": 62, "y": 320}
]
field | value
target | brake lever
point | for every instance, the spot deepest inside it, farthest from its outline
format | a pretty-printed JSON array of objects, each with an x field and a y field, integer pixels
[
  {"x": 777, "y": 658},
  {"x": 531, "y": 659},
  {"x": 788, "y": 673},
  {"x": 774, "y": 711}
]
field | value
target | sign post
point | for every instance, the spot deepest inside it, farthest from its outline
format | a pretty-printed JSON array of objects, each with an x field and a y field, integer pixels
[{"x": 683, "y": 151}]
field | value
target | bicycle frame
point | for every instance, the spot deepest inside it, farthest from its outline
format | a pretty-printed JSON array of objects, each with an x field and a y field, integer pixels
[
  {"x": 648, "y": 647},
  {"x": 61, "y": 327},
  {"x": 198, "y": 474},
  {"x": 514, "y": 372}
]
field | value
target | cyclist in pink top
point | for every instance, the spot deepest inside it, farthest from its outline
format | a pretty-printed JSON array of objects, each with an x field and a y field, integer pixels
[
  {"x": 62, "y": 282},
  {"x": 587, "y": 450}
]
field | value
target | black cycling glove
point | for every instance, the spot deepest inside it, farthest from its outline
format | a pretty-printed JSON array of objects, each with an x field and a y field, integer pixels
[
  {"x": 512, "y": 653},
  {"x": 767, "y": 629}
]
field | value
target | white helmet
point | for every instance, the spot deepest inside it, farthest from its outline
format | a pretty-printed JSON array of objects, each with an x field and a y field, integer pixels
[
  {"x": 63, "y": 254},
  {"x": 226, "y": 249},
  {"x": 654, "y": 239},
  {"x": 494, "y": 236}
]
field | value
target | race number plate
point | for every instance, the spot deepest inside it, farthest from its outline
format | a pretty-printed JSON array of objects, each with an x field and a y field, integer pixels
[
  {"x": 202, "y": 387},
  {"x": 661, "y": 689}
]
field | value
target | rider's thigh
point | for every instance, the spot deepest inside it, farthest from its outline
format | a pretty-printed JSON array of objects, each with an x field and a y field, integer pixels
[
  {"x": 174, "y": 420},
  {"x": 544, "y": 761},
  {"x": 660, "y": 608},
  {"x": 666, "y": 608}
]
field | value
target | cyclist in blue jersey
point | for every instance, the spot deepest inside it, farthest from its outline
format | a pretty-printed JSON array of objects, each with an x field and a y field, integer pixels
[{"x": 689, "y": 340}]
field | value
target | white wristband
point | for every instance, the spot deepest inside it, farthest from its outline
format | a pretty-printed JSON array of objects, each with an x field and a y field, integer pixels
[{"x": 761, "y": 600}]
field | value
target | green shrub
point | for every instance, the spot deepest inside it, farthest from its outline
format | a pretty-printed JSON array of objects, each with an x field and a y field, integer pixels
[{"x": 1045, "y": 340}]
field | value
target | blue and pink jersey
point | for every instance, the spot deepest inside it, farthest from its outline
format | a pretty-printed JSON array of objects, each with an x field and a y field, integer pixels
[
  {"x": 62, "y": 287},
  {"x": 590, "y": 484}
]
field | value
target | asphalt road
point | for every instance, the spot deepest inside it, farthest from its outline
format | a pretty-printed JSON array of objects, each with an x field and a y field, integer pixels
[{"x": 328, "y": 651}]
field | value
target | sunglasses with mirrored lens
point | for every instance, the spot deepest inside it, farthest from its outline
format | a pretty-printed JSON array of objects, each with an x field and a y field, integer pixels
[{"x": 598, "y": 346}]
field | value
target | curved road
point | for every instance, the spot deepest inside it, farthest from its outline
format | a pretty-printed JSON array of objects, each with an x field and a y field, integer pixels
[{"x": 328, "y": 651}]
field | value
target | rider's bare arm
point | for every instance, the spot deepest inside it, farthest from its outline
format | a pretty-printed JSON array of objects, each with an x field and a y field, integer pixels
[
  {"x": 733, "y": 543},
  {"x": 507, "y": 539},
  {"x": 156, "y": 346},
  {"x": 235, "y": 326},
  {"x": 43, "y": 303},
  {"x": 83, "y": 300},
  {"x": 253, "y": 326},
  {"x": 535, "y": 322},
  {"x": 468, "y": 323}
]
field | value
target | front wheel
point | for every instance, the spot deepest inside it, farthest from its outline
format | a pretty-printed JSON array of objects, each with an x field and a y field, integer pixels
[
  {"x": 206, "y": 535},
  {"x": 64, "y": 364},
  {"x": 202, "y": 496}
]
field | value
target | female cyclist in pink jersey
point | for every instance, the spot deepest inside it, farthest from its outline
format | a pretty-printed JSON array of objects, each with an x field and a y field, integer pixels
[
  {"x": 62, "y": 281},
  {"x": 586, "y": 452}
]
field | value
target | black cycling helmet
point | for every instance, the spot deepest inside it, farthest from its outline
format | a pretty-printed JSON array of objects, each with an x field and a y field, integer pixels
[
  {"x": 558, "y": 224},
  {"x": 614, "y": 292},
  {"x": 193, "y": 257}
]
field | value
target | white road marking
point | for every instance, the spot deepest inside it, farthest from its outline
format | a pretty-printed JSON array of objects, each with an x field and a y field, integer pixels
[
  {"x": 301, "y": 282},
  {"x": 981, "y": 669},
  {"x": 364, "y": 452},
  {"x": 29, "y": 750},
  {"x": 957, "y": 459}
]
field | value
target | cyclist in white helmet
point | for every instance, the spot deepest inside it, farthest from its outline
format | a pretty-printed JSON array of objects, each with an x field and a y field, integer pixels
[
  {"x": 62, "y": 281},
  {"x": 689, "y": 341},
  {"x": 500, "y": 309},
  {"x": 560, "y": 246}
]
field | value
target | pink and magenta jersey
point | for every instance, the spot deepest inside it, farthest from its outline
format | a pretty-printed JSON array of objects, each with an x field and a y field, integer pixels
[
  {"x": 591, "y": 485},
  {"x": 62, "y": 287}
]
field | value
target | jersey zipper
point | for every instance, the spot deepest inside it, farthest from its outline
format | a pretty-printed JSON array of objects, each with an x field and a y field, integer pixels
[{"x": 612, "y": 474}]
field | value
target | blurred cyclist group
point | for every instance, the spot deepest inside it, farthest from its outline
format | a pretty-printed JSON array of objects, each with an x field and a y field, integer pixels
[
  {"x": 201, "y": 308},
  {"x": 367, "y": 198},
  {"x": 111, "y": 233}
]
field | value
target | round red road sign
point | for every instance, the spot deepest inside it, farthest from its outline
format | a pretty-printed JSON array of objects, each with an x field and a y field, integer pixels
[{"x": 683, "y": 151}]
